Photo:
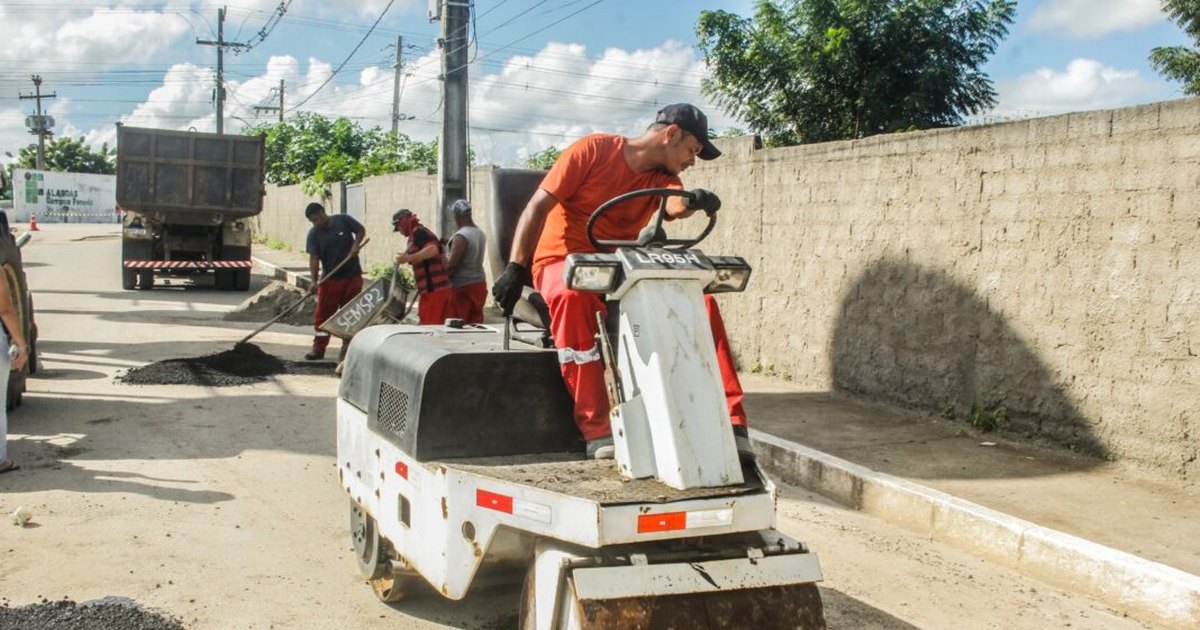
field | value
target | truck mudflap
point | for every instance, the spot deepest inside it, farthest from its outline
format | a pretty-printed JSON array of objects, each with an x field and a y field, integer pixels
[{"x": 568, "y": 591}]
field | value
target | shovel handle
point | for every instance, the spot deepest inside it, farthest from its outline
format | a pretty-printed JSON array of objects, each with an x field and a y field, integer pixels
[{"x": 302, "y": 300}]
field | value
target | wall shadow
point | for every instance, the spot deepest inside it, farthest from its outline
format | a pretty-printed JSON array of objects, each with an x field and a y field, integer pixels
[{"x": 914, "y": 336}]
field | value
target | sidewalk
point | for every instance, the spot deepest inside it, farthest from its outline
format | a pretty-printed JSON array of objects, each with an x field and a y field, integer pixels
[{"x": 1092, "y": 527}]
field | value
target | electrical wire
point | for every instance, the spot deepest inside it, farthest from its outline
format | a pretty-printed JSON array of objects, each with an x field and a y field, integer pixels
[{"x": 348, "y": 57}]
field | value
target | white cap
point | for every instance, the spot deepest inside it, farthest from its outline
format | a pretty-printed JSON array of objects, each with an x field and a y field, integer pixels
[{"x": 462, "y": 206}]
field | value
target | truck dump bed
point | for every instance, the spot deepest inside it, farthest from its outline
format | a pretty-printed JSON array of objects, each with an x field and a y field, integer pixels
[{"x": 186, "y": 177}]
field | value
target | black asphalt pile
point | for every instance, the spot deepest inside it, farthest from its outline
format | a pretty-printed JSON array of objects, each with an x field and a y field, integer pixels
[
  {"x": 245, "y": 363},
  {"x": 274, "y": 299},
  {"x": 109, "y": 613}
]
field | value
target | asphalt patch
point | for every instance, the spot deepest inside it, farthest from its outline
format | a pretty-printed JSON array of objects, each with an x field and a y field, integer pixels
[
  {"x": 109, "y": 613},
  {"x": 244, "y": 364}
]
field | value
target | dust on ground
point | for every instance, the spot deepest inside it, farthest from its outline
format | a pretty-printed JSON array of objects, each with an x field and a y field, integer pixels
[
  {"x": 243, "y": 364},
  {"x": 108, "y": 613},
  {"x": 272, "y": 300}
]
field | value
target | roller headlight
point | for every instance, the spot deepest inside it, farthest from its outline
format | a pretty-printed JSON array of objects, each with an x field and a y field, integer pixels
[
  {"x": 595, "y": 273},
  {"x": 733, "y": 274}
]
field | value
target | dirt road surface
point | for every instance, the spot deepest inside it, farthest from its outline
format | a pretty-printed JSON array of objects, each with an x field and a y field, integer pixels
[{"x": 220, "y": 506}]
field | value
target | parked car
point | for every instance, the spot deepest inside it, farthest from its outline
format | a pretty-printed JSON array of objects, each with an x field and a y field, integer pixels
[{"x": 22, "y": 299}]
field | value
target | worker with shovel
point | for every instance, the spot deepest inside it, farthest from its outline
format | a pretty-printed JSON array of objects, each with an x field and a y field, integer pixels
[{"x": 333, "y": 244}]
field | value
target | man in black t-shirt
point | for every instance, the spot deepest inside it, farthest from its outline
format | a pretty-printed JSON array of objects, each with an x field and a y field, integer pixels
[{"x": 331, "y": 240}]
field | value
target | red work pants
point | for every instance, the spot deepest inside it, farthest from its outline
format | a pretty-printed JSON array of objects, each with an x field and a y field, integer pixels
[
  {"x": 434, "y": 307},
  {"x": 573, "y": 325},
  {"x": 468, "y": 302},
  {"x": 332, "y": 294}
]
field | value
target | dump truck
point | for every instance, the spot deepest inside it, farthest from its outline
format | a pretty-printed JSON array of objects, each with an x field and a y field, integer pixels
[{"x": 187, "y": 199}]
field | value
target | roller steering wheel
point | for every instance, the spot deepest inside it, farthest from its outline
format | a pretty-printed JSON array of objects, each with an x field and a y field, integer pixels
[{"x": 652, "y": 233}]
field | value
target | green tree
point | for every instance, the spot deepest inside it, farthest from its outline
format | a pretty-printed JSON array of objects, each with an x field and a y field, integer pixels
[
  {"x": 543, "y": 159},
  {"x": 1181, "y": 63},
  {"x": 317, "y": 150},
  {"x": 64, "y": 154},
  {"x": 817, "y": 70}
]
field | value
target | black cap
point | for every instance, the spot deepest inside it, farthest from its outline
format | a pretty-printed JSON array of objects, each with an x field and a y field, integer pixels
[
  {"x": 400, "y": 214},
  {"x": 692, "y": 120}
]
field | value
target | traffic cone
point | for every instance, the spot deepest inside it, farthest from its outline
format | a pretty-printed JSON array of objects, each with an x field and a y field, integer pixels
[{"x": 33, "y": 223}]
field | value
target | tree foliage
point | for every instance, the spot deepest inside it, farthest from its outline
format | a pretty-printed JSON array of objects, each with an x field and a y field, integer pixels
[
  {"x": 1181, "y": 63},
  {"x": 70, "y": 156},
  {"x": 816, "y": 70},
  {"x": 66, "y": 155},
  {"x": 543, "y": 159},
  {"x": 315, "y": 150}
]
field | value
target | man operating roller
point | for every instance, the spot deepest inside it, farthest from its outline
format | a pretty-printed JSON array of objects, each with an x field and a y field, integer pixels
[{"x": 553, "y": 224}]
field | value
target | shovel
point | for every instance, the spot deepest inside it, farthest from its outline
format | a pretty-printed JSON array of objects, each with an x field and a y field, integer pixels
[{"x": 302, "y": 300}]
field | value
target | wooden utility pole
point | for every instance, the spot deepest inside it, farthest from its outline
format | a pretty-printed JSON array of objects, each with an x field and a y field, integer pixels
[
  {"x": 396, "y": 85},
  {"x": 452, "y": 147},
  {"x": 273, "y": 108},
  {"x": 39, "y": 125},
  {"x": 221, "y": 44}
]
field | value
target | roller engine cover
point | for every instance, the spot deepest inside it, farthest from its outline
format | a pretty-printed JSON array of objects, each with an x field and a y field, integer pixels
[{"x": 440, "y": 393}]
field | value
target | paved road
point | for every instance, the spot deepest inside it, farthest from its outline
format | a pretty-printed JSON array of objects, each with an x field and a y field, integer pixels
[{"x": 221, "y": 506}]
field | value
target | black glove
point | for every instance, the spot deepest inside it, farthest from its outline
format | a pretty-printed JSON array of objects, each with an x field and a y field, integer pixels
[
  {"x": 507, "y": 289},
  {"x": 706, "y": 200}
]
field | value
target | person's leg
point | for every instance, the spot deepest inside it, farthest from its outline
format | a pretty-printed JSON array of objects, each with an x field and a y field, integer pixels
[
  {"x": 729, "y": 377},
  {"x": 433, "y": 306},
  {"x": 347, "y": 291},
  {"x": 573, "y": 326},
  {"x": 327, "y": 304},
  {"x": 473, "y": 297},
  {"x": 5, "y": 366}
]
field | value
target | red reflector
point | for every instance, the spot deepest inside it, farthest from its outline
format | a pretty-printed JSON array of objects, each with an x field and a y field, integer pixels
[
  {"x": 402, "y": 469},
  {"x": 493, "y": 501},
  {"x": 662, "y": 522}
]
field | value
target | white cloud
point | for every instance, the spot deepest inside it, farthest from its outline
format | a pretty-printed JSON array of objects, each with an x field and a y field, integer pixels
[
  {"x": 560, "y": 94},
  {"x": 1095, "y": 18},
  {"x": 1086, "y": 84},
  {"x": 106, "y": 38}
]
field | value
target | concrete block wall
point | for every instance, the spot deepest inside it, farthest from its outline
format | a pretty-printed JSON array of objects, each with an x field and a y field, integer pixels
[{"x": 1048, "y": 267}]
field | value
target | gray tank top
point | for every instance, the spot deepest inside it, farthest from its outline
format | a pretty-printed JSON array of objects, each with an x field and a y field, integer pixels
[{"x": 470, "y": 270}]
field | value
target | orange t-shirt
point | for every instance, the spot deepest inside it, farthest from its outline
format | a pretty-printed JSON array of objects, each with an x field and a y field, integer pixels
[{"x": 590, "y": 172}]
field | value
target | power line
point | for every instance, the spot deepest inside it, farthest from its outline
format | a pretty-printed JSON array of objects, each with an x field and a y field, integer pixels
[{"x": 347, "y": 59}]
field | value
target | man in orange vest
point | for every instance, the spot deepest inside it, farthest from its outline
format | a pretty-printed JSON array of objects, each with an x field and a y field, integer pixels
[{"x": 424, "y": 253}]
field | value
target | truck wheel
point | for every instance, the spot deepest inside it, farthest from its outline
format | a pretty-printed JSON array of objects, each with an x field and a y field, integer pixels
[
  {"x": 223, "y": 279},
  {"x": 128, "y": 279},
  {"x": 146, "y": 279},
  {"x": 241, "y": 280},
  {"x": 16, "y": 391}
]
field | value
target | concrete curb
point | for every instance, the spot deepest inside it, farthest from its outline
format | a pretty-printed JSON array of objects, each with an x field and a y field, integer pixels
[
  {"x": 279, "y": 273},
  {"x": 1152, "y": 592}
]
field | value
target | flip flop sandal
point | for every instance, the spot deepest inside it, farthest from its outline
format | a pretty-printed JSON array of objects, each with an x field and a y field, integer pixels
[{"x": 8, "y": 465}]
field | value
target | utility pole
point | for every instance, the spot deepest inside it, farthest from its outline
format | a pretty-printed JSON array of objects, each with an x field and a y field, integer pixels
[
  {"x": 39, "y": 125},
  {"x": 452, "y": 146},
  {"x": 221, "y": 45},
  {"x": 396, "y": 85},
  {"x": 269, "y": 108}
]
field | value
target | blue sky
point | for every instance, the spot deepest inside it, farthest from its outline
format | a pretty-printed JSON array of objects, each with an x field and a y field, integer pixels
[{"x": 543, "y": 71}]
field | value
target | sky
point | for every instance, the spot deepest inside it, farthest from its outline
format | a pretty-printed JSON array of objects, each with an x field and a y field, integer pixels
[{"x": 542, "y": 72}]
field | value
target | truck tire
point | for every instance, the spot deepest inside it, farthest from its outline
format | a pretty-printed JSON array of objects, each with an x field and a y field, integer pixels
[
  {"x": 241, "y": 280},
  {"x": 223, "y": 279},
  {"x": 146, "y": 279},
  {"x": 128, "y": 279},
  {"x": 15, "y": 393}
]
